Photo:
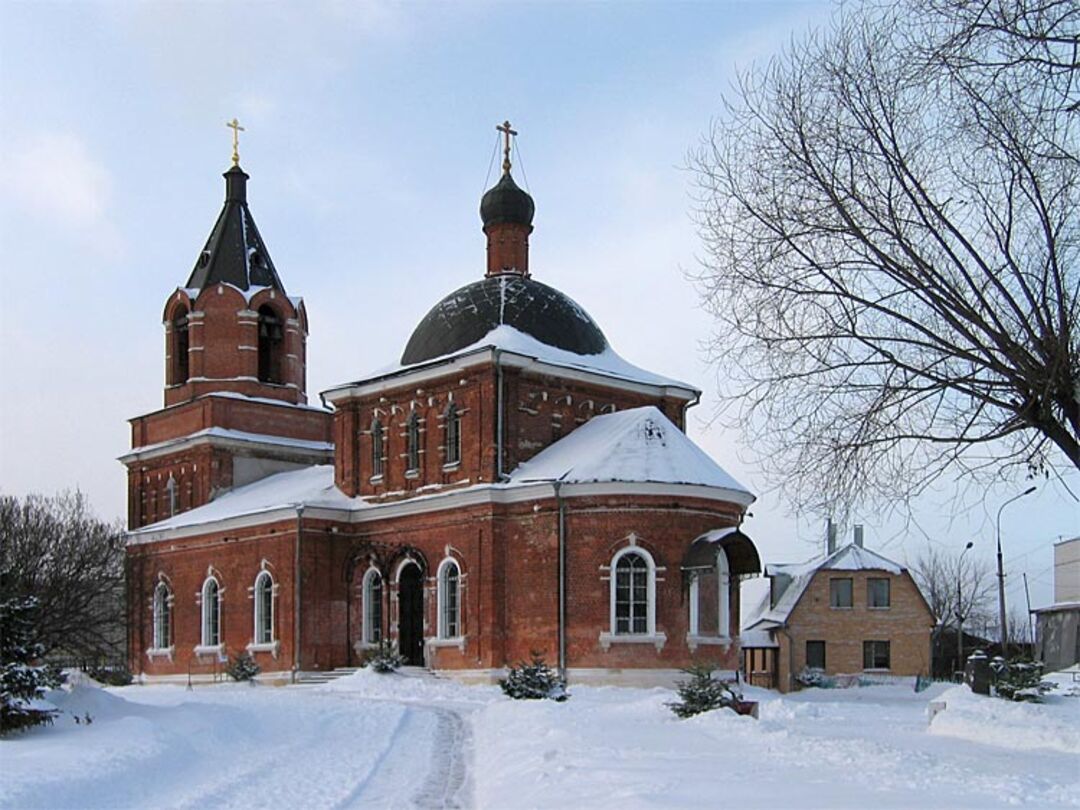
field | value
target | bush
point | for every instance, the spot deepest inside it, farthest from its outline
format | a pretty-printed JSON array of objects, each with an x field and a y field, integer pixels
[
  {"x": 243, "y": 668},
  {"x": 703, "y": 693},
  {"x": 812, "y": 676},
  {"x": 1019, "y": 680},
  {"x": 534, "y": 681},
  {"x": 384, "y": 659},
  {"x": 111, "y": 674},
  {"x": 23, "y": 680}
]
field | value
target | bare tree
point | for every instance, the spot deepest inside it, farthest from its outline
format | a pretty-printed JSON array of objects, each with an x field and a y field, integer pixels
[
  {"x": 56, "y": 551},
  {"x": 889, "y": 214},
  {"x": 954, "y": 585}
]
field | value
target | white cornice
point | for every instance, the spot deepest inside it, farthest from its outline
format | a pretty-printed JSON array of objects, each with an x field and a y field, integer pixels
[
  {"x": 418, "y": 374},
  {"x": 303, "y": 450}
]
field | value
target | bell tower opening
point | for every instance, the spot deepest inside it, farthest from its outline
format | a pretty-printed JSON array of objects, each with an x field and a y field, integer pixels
[
  {"x": 270, "y": 345},
  {"x": 180, "y": 345}
]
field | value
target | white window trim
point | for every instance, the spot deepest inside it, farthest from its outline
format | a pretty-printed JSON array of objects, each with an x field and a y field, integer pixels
[
  {"x": 161, "y": 652},
  {"x": 440, "y": 623},
  {"x": 273, "y": 647},
  {"x": 723, "y": 588},
  {"x": 205, "y": 619},
  {"x": 217, "y": 650},
  {"x": 158, "y": 647},
  {"x": 257, "y": 614},
  {"x": 366, "y": 639},
  {"x": 656, "y": 639},
  {"x": 650, "y": 608}
]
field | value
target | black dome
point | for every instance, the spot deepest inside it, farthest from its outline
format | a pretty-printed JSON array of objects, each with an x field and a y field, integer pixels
[
  {"x": 506, "y": 203},
  {"x": 466, "y": 315}
]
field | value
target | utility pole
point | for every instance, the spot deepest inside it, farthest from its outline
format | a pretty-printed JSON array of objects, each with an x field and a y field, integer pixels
[
  {"x": 960, "y": 609},
  {"x": 1001, "y": 570}
]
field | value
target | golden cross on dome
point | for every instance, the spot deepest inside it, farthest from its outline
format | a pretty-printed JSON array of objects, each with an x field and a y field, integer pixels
[
  {"x": 504, "y": 128},
  {"x": 234, "y": 125}
]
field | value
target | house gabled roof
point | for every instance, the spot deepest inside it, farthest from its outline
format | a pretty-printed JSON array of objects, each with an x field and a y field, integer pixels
[{"x": 848, "y": 558}]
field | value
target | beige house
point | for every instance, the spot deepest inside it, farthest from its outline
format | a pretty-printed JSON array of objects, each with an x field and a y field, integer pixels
[{"x": 852, "y": 612}]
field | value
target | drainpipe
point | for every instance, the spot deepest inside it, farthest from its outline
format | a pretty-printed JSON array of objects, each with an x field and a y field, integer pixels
[
  {"x": 561, "y": 507},
  {"x": 498, "y": 418},
  {"x": 296, "y": 593}
]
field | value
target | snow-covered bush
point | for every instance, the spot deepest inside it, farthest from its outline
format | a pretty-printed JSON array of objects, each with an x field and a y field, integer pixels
[
  {"x": 23, "y": 680},
  {"x": 111, "y": 674},
  {"x": 534, "y": 681},
  {"x": 813, "y": 676},
  {"x": 243, "y": 668},
  {"x": 703, "y": 693},
  {"x": 384, "y": 658},
  {"x": 1019, "y": 679}
]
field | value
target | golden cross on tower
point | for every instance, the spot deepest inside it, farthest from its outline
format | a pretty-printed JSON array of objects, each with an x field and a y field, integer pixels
[
  {"x": 504, "y": 128},
  {"x": 234, "y": 125}
]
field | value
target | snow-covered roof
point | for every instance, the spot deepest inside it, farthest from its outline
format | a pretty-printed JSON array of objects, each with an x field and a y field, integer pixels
[
  {"x": 635, "y": 446},
  {"x": 849, "y": 558},
  {"x": 508, "y": 339},
  {"x": 266, "y": 401},
  {"x": 227, "y": 434},
  {"x": 308, "y": 487},
  {"x": 640, "y": 444}
]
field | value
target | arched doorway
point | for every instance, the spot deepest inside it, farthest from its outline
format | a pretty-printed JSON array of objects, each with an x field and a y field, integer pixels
[{"x": 411, "y": 614}]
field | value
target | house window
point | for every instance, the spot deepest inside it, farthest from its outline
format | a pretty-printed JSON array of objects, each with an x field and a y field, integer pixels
[
  {"x": 373, "y": 593},
  {"x": 632, "y": 603},
  {"x": 877, "y": 592},
  {"x": 710, "y": 600},
  {"x": 815, "y": 654},
  {"x": 875, "y": 654},
  {"x": 180, "y": 347},
  {"x": 264, "y": 608},
  {"x": 449, "y": 600},
  {"x": 840, "y": 593},
  {"x": 376, "y": 449},
  {"x": 162, "y": 616},
  {"x": 270, "y": 339},
  {"x": 211, "y": 613},
  {"x": 453, "y": 435},
  {"x": 412, "y": 443}
]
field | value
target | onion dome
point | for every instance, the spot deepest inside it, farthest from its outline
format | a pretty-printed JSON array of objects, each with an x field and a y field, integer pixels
[
  {"x": 506, "y": 204},
  {"x": 467, "y": 315}
]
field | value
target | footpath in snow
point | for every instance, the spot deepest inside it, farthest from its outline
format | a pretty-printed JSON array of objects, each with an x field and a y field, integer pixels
[{"x": 373, "y": 741}]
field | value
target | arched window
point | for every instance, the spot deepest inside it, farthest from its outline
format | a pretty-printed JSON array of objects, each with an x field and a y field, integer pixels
[
  {"x": 162, "y": 616},
  {"x": 373, "y": 606},
  {"x": 376, "y": 448},
  {"x": 453, "y": 435},
  {"x": 211, "y": 613},
  {"x": 412, "y": 443},
  {"x": 264, "y": 608},
  {"x": 710, "y": 600},
  {"x": 633, "y": 593},
  {"x": 270, "y": 339},
  {"x": 180, "y": 345},
  {"x": 449, "y": 600}
]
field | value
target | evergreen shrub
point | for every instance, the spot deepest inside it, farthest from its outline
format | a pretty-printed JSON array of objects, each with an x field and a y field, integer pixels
[
  {"x": 1020, "y": 680},
  {"x": 534, "y": 681},
  {"x": 384, "y": 659},
  {"x": 703, "y": 693},
  {"x": 242, "y": 667},
  {"x": 23, "y": 679}
]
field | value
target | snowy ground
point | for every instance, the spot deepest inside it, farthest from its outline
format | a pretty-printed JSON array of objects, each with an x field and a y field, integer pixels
[{"x": 401, "y": 741}]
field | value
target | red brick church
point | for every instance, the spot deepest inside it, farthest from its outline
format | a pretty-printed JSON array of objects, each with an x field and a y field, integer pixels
[{"x": 508, "y": 484}]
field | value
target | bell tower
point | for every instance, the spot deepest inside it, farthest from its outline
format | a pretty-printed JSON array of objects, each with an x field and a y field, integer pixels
[{"x": 235, "y": 406}]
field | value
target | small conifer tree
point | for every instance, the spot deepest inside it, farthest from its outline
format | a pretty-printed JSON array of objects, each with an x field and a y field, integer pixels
[
  {"x": 703, "y": 693},
  {"x": 384, "y": 659},
  {"x": 243, "y": 668},
  {"x": 23, "y": 680},
  {"x": 1020, "y": 680},
  {"x": 534, "y": 681}
]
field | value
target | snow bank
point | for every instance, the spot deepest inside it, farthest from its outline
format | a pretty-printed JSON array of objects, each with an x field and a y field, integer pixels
[
  {"x": 413, "y": 686},
  {"x": 1053, "y": 725}
]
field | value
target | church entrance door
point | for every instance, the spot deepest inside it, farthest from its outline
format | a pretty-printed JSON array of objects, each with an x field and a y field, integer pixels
[{"x": 411, "y": 607}]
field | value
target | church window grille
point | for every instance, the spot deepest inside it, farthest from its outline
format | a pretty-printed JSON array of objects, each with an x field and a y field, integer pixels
[
  {"x": 376, "y": 449},
  {"x": 412, "y": 444},
  {"x": 633, "y": 593},
  {"x": 180, "y": 346},
  {"x": 453, "y": 435},
  {"x": 162, "y": 616},
  {"x": 264, "y": 608},
  {"x": 270, "y": 345},
  {"x": 211, "y": 613},
  {"x": 373, "y": 607},
  {"x": 449, "y": 600}
]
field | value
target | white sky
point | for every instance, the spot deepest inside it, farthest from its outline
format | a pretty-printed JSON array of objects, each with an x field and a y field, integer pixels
[{"x": 370, "y": 129}]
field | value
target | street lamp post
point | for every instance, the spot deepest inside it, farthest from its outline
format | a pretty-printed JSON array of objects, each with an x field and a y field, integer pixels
[
  {"x": 1001, "y": 568},
  {"x": 960, "y": 609}
]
